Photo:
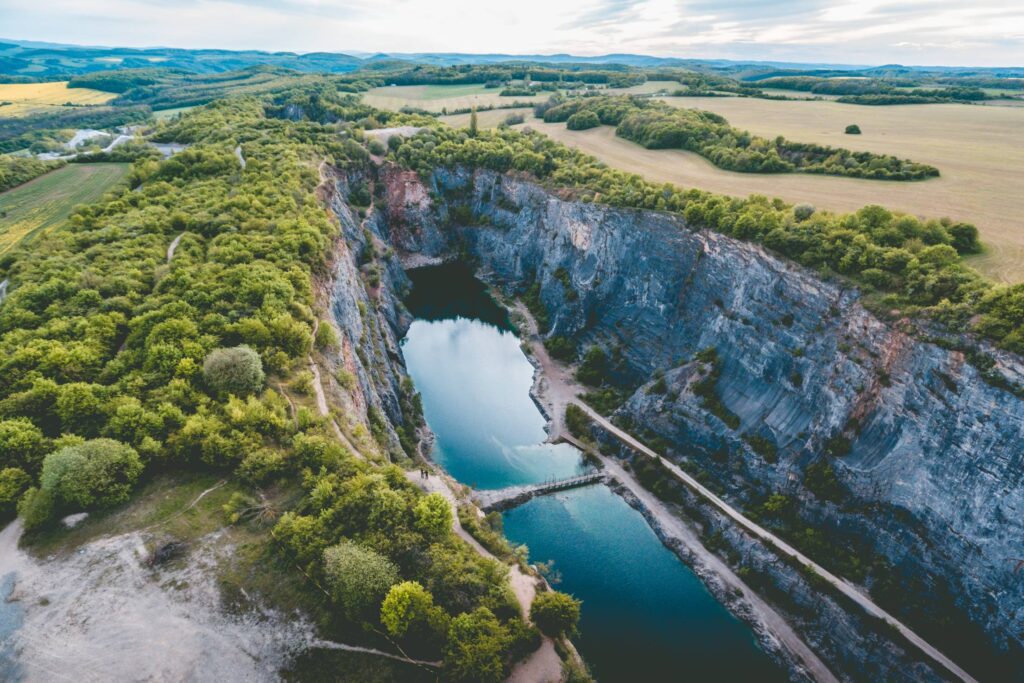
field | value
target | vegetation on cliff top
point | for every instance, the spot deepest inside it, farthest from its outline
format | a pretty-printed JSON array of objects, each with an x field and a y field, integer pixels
[
  {"x": 118, "y": 365},
  {"x": 913, "y": 264},
  {"x": 656, "y": 125}
]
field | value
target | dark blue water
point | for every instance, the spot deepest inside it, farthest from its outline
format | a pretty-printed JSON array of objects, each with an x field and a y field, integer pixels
[{"x": 646, "y": 616}]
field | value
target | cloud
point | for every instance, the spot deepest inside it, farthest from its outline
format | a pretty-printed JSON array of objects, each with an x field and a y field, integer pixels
[{"x": 985, "y": 32}]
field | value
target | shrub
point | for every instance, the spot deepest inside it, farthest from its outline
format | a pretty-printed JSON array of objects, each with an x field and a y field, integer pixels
[
  {"x": 556, "y": 614},
  {"x": 409, "y": 607},
  {"x": 476, "y": 641},
  {"x": 803, "y": 211},
  {"x": 21, "y": 444},
  {"x": 514, "y": 119},
  {"x": 853, "y": 129},
  {"x": 13, "y": 483},
  {"x": 95, "y": 474},
  {"x": 36, "y": 508},
  {"x": 821, "y": 480},
  {"x": 359, "y": 577},
  {"x": 237, "y": 371},
  {"x": 594, "y": 367},
  {"x": 561, "y": 348},
  {"x": 576, "y": 421},
  {"x": 433, "y": 516},
  {"x": 377, "y": 147},
  {"x": 583, "y": 120}
]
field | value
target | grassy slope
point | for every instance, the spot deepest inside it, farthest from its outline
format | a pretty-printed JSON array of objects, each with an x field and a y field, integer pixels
[{"x": 41, "y": 204}]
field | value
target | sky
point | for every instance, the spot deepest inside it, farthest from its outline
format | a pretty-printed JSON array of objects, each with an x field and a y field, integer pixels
[{"x": 919, "y": 32}]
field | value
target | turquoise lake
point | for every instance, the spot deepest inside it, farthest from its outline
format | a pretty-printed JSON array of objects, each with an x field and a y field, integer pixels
[{"x": 646, "y": 616}]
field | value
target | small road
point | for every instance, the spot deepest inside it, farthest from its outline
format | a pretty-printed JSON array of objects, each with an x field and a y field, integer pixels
[{"x": 559, "y": 389}]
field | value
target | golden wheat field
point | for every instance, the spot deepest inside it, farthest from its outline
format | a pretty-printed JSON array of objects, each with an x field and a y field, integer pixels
[
  {"x": 21, "y": 99},
  {"x": 978, "y": 150}
]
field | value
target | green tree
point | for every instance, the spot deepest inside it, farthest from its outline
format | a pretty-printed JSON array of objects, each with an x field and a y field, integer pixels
[
  {"x": 853, "y": 129},
  {"x": 94, "y": 474},
  {"x": 433, "y": 516},
  {"x": 359, "y": 577},
  {"x": 13, "y": 483},
  {"x": 555, "y": 614},
  {"x": 474, "y": 128},
  {"x": 21, "y": 444},
  {"x": 583, "y": 120},
  {"x": 237, "y": 370},
  {"x": 476, "y": 642},
  {"x": 409, "y": 608},
  {"x": 36, "y": 508}
]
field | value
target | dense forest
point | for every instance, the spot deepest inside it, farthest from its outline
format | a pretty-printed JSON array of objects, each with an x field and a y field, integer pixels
[
  {"x": 118, "y": 365},
  {"x": 657, "y": 125}
]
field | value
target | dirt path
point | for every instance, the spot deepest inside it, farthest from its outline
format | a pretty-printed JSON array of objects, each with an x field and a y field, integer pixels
[
  {"x": 544, "y": 664},
  {"x": 241, "y": 159},
  {"x": 558, "y": 389},
  {"x": 173, "y": 247}
]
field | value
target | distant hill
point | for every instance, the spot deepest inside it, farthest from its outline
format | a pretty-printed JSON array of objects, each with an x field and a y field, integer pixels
[{"x": 50, "y": 61}]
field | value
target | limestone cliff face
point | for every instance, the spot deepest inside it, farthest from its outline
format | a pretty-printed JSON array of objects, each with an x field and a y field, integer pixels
[
  {"x": 932, "y": 454},
  {"x": 364, "y": 289}
]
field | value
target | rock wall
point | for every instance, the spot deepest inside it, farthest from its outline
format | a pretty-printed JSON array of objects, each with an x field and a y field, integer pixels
[{"x": 931, "y": 454}]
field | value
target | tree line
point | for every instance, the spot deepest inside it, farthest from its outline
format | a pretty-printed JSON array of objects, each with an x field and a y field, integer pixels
[{"x": 657, "y": 125}]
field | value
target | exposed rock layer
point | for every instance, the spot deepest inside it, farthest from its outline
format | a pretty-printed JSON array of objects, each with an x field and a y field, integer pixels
[{"x": 934, "y": 456}]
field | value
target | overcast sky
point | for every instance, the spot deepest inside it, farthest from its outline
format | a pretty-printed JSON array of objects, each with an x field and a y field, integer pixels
[{"x": 948, "y": 32}]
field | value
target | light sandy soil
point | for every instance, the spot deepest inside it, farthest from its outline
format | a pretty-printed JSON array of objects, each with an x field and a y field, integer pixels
[{"x": 101, "y": 614}]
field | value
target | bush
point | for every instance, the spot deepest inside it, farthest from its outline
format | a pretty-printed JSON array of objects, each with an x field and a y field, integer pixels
[
  {"x": 433, "y": 516},
  {"x": 476, "y": 641},
  {"x": 556, "y": 614},
  {"x": 514, "y": 119},
  {"x": 237, "y": 371},
  {"x": 13, "y": 483},
  {"x": 359, "y": 577},
  {"x": 853, "y": 129},
  {"x": 409, "y": 607},
  {"x": 36, "y": 508},
  {"x": 583, "y": 120},
  {"x": 594, "y": 368},
  {"x": 95, "y": 474},
  {"x": 561, "y": 348},
  {"x": 802, "y": 212},
  {"x": 377, "y": 147}
]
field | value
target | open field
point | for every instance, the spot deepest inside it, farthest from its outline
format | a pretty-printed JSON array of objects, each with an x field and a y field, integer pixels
[
  {"x": 441, "y": 97},
  {"x": 486, "y": 119},
  {"x": 29, "y": 98},
  {"x": 39, "y": 205},
  {"x": 978, "y": 150},
  {"x": 165, "y": 114}
]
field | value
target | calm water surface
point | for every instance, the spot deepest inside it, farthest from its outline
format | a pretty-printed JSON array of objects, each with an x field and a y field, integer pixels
[{"x": 646, "y": 616}]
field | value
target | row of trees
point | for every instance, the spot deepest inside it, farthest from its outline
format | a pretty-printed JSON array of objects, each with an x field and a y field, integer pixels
[
  {"x": 17, "y": 170},
  {"x": 657, "y": 125},
  {"x": 915, "y": 263}
]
